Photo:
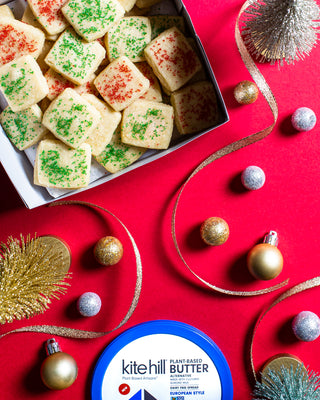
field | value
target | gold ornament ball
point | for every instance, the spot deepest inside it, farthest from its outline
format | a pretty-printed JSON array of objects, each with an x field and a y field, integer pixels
[
  {"x": 246, "y": 92},
  {"x": 108, "y": 251},
  {"x": 59, "y": 371},
  {"x": 265, "y": 261},
  {"x": 214, "y": 231}
]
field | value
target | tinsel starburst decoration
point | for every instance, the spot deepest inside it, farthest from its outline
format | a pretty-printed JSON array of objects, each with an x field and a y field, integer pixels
[
  {"x": 288, "y": 384},
  {"x": 281, "y": 30},
  {"x": 29, "y": 278}
]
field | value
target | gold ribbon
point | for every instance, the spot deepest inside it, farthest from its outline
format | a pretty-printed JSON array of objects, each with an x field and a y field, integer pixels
[
  {"x": 309, "y": 284},
  {"x": 268, "y": 95},
  {"x": 82, "y": 334}
]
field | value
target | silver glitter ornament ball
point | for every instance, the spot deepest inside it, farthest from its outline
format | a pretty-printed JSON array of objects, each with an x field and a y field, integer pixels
[
  {"x": 253, "y": 178},
  {"x": 303, "y": 119},
  {"x": 89, "y": 304},
  {"x": 306, "y": 326}
]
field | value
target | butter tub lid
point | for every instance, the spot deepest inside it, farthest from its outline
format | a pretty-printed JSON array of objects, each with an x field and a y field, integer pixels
[{"x": 162, "y": 360}]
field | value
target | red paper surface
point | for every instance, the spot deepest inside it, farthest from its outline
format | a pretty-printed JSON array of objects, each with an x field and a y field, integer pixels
[{"x": 144, "y": 199}]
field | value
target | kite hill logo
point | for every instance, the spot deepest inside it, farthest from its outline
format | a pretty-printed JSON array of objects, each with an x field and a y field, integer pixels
[{"x": 142, "y": 395}]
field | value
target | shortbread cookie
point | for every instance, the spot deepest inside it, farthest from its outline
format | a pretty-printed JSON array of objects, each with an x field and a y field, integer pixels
[
  {"x": 23, "y": 128},
  {"x": 59, "y": 166},
  {"x": 110, "y": 119},
  {"x": 128, "y": 37},
  {"x": 117, "y": 155},
  {"x": 160, "y": 23},
  {"x": 172, "y": 59},
  {"x": 49, "y": 15},
  {"x": 56, "y": 83},
  {"x": 154, "y": 91},
  {"x": 5, "y": 11},
  {"x": 121, "y": 83},
  {"x": 147, "y": 124},
  {"x": 22, "y": 83},
  {"x": 88, "y": 87},
  {"x": 74, "y": 58},
  {"x": 29, "y": 18},
  {"x": 146, "y": 3},
  {"x": 92, "y": 19},
  {"x": 18, "y": 39},
  {"x": 71, "y": 118},
  {"x": 127, "y": 4},
  {"x": 195, "y": 107}
]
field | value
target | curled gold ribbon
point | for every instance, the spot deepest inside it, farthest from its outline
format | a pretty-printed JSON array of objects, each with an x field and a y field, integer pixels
[
  {"x": 309, "y": 284},
  {"x": 83, "y": 334},
  {"x": 253, "y": 138}
]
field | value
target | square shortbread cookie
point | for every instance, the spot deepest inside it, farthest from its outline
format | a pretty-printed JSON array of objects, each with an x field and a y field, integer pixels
[
  {"x": 102, "y": 134},
  {"x": 49, "y": 14},
  {"x": 117, "y": 155},
  {"x": 91, "y": 19},
  {"x": 71, "y": 118},
  {"x": 154, "y": 91},
  {"x": 195, "y": 107},
  {"x": 121, "y": 83},
  {"x": 147, "y": 124},
  {"x": 74, "y": 58},
  {"x": 172, "y": 59},
  {"x": 160, "y": 23},
  {"x": 29, "y": 18},
  {"x": 23, "y": 128},
  {"x": 18, "y": 39},
  {"x": 128, "y": 37},
  {"x": 22, "y": 83},
  {"x": 59, "y": 166}
]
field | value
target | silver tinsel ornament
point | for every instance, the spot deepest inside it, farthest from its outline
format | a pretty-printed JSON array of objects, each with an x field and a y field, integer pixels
[{"x": 281, "y": 30}]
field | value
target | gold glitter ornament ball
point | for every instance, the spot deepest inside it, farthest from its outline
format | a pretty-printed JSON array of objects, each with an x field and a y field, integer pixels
[
  {"x": 246, "y": 92},
  {"x": 108, "y": 250},
  {"x": 214, "y": 231}
]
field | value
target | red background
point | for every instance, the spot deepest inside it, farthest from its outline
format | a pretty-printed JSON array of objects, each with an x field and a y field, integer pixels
[{"x": 143, "y": 199}]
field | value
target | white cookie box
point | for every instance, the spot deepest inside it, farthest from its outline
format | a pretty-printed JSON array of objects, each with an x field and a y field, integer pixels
[{"x": 18, "y": 165}]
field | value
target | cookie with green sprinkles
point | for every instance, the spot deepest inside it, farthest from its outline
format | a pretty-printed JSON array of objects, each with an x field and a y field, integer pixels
[
  {"x": 60, "y": 166},
  {"x": 110, "y": 119},
  {"x": 147, "y": 124},
  {"x": 74, "y": 58},
  {"x": 23, "y": 128},
  {"x": 22, "y": 83},
  {"x": 71, "y": 118},
  {"x": 121, "y": 83},
  {"x": 128, "y": 37},
  {"x": 160, "y": 23},
  {"x": 91, "y": 19},
  {"x": 117, "y": 155}
]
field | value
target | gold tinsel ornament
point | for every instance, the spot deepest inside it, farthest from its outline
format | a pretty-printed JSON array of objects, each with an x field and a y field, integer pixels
[
  {"x": 280, "y": 30},
  {"x": 30, "y": 277}
]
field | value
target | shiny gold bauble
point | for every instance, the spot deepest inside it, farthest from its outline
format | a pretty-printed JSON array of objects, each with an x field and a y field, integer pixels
[
  {"x": 246, "y": 92},
  {"x": 214, "y": 231},
  {"x": 265, "y": 261},
  {"x": 280, "y": 361},
  {"x": 108, "y": 250},
  {"x": 59, "y": 371}
]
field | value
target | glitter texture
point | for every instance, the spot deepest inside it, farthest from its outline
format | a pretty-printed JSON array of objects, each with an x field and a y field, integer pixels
[
  {"x": 108, "y": 250},
  {"x": 303, "y": 119},
  {"x": 253, "y": 178},
  {"x": 281, "y": 30},
  {"x": 89, "y": 304},
  {"x": 306, "y": 326}
]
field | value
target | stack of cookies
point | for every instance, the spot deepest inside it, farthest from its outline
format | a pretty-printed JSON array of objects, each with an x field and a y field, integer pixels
[{"x": 98, "y": 79}]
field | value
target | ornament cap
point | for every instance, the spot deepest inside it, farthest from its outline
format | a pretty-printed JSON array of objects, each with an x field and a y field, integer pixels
[
  {"x": 52, "y": 346},
  {"x": 271, "y": 238}
]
